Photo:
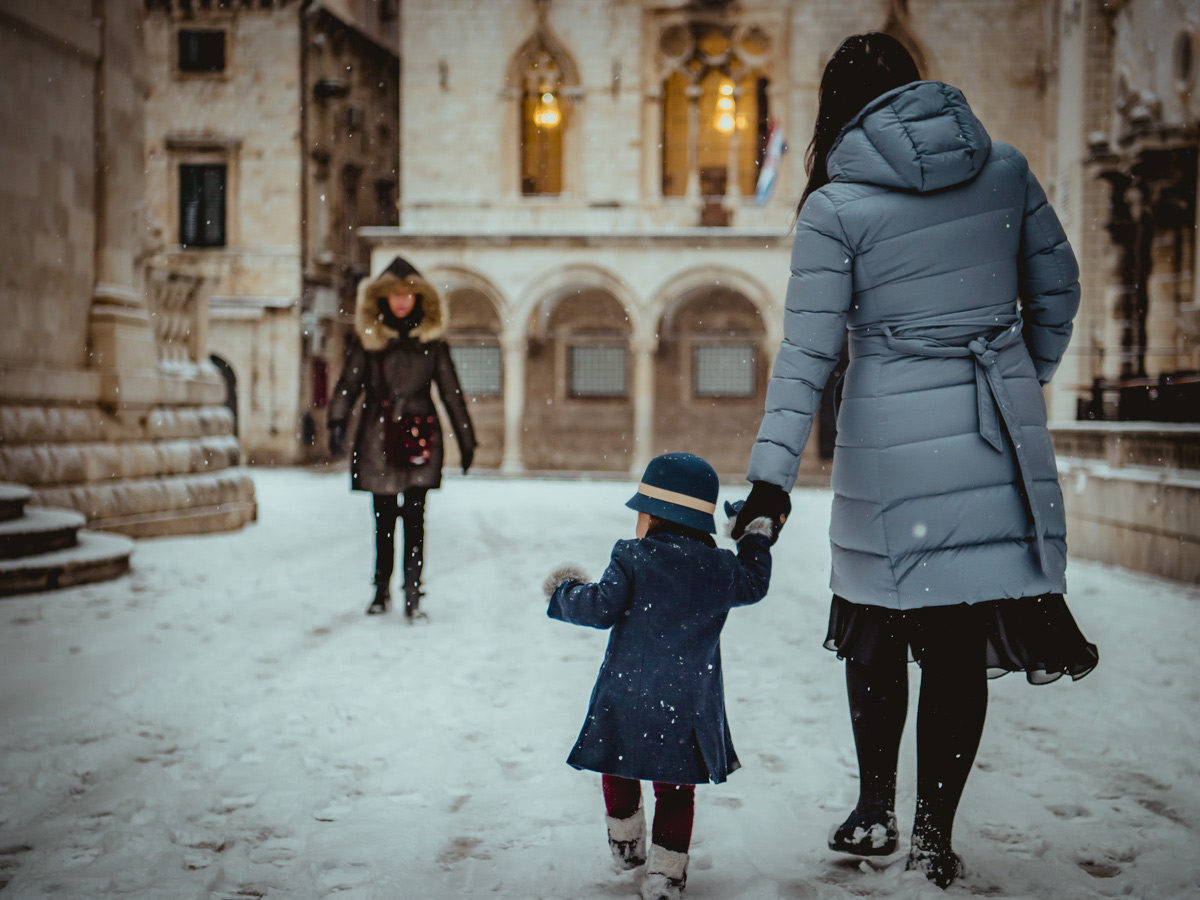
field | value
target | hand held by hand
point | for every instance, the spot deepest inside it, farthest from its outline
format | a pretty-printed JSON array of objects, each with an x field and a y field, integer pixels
[{"x": 765, "y": 500}]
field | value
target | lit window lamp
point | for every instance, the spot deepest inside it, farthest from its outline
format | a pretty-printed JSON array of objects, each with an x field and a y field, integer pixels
[{"x": 547, "y": 113}]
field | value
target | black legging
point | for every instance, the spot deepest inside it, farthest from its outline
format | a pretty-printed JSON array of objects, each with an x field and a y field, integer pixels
[
  {"x": 387, "y": 510},
  {"x": 950, "y": 715}
]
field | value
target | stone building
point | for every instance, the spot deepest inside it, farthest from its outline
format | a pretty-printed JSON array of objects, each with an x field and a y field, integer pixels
[
  {"x": 580, "y": 177},
  {"x": 108, "y": 404},
  {"x": 271, "y": 135},
  {"x": 1128, "y": 129}
]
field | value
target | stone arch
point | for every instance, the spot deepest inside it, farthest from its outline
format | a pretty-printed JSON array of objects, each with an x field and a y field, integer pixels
[
  {"x": 448, "y": 278},
  {"x": 712, "y": 369},
  {"x": 229, "y": 377},
  {"x": 579, "y": 402},
  {"x": 476, "y": 312},
  {"x": 538, "y": 303},
  {"x": 682, "y": 284}
]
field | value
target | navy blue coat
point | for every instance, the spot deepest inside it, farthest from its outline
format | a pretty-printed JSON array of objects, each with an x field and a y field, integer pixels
[{"x": 657, "y": 711}]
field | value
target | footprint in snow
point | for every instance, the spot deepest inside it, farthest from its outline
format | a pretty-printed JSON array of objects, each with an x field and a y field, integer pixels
[
  {"x": 276, "y": 853},
  {"x": 10, "y": 861},
  {"x": 461, "y": 848},
  {"x": 1069, "y": 811},
  {"x": 1098, "y": 869}
]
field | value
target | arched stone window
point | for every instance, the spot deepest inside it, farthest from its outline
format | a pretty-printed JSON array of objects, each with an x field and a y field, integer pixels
[
  {"x": 542, "y": 124},
  {"x": 715, "y": 115},
  {"x": 544, "y": 79}
]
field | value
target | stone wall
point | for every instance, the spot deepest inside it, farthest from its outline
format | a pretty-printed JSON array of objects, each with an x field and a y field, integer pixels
[
  {"x": 1132, "y": 492},
  {"x": 107, "y": 403}
]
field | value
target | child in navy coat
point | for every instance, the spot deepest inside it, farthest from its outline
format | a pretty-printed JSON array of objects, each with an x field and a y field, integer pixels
[{"x": 657, "y": 712}]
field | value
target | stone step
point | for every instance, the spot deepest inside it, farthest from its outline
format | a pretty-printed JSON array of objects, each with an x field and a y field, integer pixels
[
  {"x": 96, "y": 557},
  {"x": 42, "y": 529},
  {"x": 13, "y": 498}
]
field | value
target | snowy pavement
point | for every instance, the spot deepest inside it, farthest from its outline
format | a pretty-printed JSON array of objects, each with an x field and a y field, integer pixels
[{"x": 225, "y": 722}]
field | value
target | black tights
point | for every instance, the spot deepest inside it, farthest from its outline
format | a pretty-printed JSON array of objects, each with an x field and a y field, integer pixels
[
  {"x": 387, "y": 510},
  {"x": 950, "y": 714}
]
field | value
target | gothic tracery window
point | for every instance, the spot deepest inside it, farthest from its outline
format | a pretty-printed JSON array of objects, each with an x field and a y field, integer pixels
[
  {"x": 542, "y": 125},
  {"x": 715, "y": 117}
]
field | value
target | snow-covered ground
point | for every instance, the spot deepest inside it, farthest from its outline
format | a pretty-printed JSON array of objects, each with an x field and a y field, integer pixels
[{"x": 225, "y": 722}]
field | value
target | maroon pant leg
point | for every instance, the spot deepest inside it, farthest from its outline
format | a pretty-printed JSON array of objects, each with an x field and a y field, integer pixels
[
  {"x": 622, "y": 796},
  {"x": 674, "y": 808}
]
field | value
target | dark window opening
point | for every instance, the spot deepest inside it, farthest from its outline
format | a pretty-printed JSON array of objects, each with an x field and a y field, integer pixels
[
  {"x": 202, "y": 205},
  {"x": 201, "y": 51}
]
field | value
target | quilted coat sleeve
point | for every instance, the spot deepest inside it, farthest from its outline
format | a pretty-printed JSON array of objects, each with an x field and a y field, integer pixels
[
  {"x": 349, "y": 384},
  {"x": 814, "y": 329},
  {"x": 1049, "y": 281},
  {"x": 452, "y": 396},
  {"x": 599, "y": 605}
]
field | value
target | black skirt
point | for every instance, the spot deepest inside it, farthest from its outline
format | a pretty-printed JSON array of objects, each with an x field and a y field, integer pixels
[{"x": 1034, "y": 635}]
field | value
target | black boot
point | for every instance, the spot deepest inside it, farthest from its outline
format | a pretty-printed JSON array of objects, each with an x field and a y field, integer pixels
[
  {"x": 412, "y": 601},
  {"x": 382, "y": 602}
]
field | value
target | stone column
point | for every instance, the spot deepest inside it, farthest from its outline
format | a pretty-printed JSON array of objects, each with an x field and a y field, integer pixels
[
  {"x": 692, "y": 92},
  {"x": 120, "y": 332},
  {"x": 515, "y": 349},
  {"x": 733, "y": 185},
  {"x": 643, "y": 347}
]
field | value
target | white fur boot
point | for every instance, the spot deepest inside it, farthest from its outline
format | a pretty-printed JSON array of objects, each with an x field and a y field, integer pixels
[
  {"x": 627, "y": 840},
  {"x": 666, "y": 875}
]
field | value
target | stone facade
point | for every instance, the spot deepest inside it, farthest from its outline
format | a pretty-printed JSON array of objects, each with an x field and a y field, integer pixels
[
  {"x": 684, "y": 275},
  {"x": 107, "y": 401},
  {"x": 299, "y": 115},
  {"x": 1128, "y": 132}
]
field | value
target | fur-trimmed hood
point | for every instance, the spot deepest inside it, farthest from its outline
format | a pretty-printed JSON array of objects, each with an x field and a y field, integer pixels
[{"x": 368, "y": 321}]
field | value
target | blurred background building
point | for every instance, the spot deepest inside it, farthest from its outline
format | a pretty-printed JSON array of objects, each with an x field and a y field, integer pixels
[
  {"x": 598, "y": 188},
  {"x": 271, "y": 136}
]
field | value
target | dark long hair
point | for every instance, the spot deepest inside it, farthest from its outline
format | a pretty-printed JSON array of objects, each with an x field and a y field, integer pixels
[{"x": 862, "y": 68}]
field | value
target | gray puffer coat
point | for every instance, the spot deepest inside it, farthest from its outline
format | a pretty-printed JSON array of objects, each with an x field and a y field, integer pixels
[{"x": 937, "y": 250}]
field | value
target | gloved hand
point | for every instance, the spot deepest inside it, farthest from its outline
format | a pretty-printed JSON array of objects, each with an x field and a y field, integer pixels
[
  {"x": 467, "y": 455},
  {"x": 337, "y": 438},
  {"x": 767, "y": 500}
]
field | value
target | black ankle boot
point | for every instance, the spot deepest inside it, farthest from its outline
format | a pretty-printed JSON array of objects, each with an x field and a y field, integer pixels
[
  {"x": 941, "y": 865},
  {"x": 412, "y": 602},
  {"x": 866, "y": 833},
  {"x": 382, "y": 602}
]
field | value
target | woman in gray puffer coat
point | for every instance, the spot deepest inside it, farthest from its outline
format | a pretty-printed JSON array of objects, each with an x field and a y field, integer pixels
[
  {"x": 935, "y": 248},
  {"x": 396, "y": 355}
]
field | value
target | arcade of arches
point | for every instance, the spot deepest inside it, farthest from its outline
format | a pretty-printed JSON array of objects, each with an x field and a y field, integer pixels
[{"x": 576, "y": 385}]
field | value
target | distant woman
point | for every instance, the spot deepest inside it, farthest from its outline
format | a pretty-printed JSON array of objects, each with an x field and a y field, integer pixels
[
  {"x": 399, "y": 352},
  {"x": 936, "y": 248}
]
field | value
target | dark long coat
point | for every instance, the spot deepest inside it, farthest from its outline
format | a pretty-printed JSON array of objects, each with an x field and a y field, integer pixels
[
  {"x": 657, "y": 712},
  {"x": 382, "y": 363}
]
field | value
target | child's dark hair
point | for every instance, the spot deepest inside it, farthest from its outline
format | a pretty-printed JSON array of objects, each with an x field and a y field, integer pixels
[{"x": 657, "y": 524}]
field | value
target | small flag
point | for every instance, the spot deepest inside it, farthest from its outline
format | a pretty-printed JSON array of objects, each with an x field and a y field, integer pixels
[{"x": 776, "y": 147}]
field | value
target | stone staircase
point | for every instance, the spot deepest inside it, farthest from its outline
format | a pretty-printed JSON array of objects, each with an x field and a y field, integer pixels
[{"x": 42, "y": 548}]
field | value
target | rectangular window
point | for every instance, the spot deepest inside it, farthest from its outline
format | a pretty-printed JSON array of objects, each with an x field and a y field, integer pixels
[
  {"x": 597, "y": 370},
  {"x": 723, "y": 370},
  {"x": 202, "y": 205},
  {"x": 201, "y": 50},
  {"x": 479, "y": 369}
]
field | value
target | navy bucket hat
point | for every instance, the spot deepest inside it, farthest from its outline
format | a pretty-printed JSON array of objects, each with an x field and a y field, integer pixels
[{"x": 681, "y": 488}]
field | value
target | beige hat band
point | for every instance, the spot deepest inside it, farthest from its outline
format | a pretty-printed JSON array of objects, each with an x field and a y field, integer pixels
[{"x": 657, "y": 493}]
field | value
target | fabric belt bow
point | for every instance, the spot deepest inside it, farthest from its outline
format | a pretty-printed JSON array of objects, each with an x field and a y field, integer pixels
[{"x": 992, "y": 399}]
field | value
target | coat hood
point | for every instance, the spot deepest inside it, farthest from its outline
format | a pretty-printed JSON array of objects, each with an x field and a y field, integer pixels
[
  {"x": 919, "y": 137},
  {"x": 368, "y": 321}
]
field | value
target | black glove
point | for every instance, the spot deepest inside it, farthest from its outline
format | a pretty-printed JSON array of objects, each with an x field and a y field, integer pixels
[
  {"x": 767, "y": 500},
  {"x": 467, "y": 455},
  {"x": 337, "y": 438}
]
